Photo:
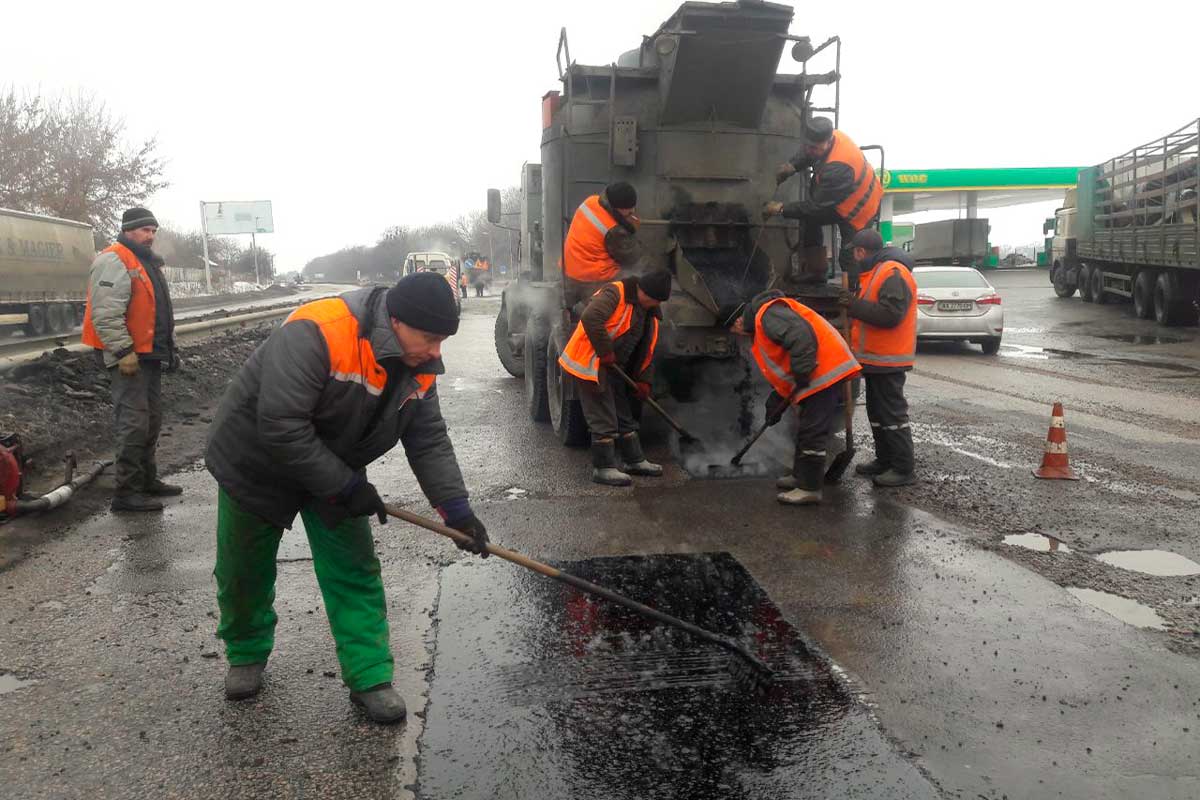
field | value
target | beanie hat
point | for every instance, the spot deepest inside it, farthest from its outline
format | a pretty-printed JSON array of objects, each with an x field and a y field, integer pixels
[
  {"x": 138, "y": 217},
  {"x": 621, "y": 195},
  {"x": 868, "y": 239},
  {"x": 657, "y": 284},
  {"x": 425, "y": 301},
  {"x": 819, "y": 130}
]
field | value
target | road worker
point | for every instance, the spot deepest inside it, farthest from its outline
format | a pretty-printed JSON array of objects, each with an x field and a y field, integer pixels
[{"x": 601, "y": 244}]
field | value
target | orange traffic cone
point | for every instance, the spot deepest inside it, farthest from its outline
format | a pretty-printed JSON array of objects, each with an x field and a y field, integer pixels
[{"x": 1055, "y": 465}]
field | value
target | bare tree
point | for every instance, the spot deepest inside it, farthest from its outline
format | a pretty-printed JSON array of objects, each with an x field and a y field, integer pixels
[{"x": 68, "y": 157}]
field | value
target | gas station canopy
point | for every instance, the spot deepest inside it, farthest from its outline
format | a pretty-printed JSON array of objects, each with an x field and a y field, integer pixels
[{"x": 913, "y": 190}]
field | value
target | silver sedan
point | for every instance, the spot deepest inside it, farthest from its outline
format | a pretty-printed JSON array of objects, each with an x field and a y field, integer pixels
[{"x": 958, "y": 303}]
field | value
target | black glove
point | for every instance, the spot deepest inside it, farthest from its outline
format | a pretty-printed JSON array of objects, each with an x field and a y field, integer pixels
[
  {"x": 363, "y": 500},
  {"x": 775, "y": 407},
  {"x": 471, "y": 526}
]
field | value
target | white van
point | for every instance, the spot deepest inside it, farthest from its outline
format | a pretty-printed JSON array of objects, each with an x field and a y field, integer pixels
[{"x": 433, "y": 261}]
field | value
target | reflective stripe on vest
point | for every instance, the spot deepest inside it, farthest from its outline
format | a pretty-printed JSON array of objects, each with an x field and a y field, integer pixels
[
  {"x": 139, "y": 314},
  {"x": 579, "y": 356},
  {"x": 351, "y": 357},
  {"x": 862, "y": 204},
  {"x": 886, "y": 347},
  {"x": 585, "y": 258},
  {"x": 834, "y": 360}
]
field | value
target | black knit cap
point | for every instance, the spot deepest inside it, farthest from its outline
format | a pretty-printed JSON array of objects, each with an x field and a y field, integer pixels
[
  {"x": 868, "y": 239},
  {"x": 138, "y": 217},
  {"x": 621, "y": 195},
  {"x": 657, "y": 284},
  {"x": 819, "y": 130},
  {"x": 424, "y": 301}
]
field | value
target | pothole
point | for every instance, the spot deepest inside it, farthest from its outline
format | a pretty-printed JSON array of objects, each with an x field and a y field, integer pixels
[
  {"x": 11, "y": 683},
  {"x": 1128, "y": 611},
  {"x": 1151, "y": 562},
  {"x": 1037, "y": 541}
]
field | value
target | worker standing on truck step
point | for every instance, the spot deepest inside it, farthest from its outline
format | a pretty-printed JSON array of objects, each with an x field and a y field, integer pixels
[
  {"x": 843, "y": 191},
  {"x": 130, "y": 322},
  {"x": 619, "y": 327},
  {"x": 805, "y": 360},
  {"x": 601, "y": 244},
  {"x": 883, "y": 337},
  {"x": 331, "y": 390}
]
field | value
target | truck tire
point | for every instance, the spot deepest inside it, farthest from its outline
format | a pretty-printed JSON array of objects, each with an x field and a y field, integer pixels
[
  {"x": 1096, "y": 278},
  {"x": 1172, "y": 306},
  {"x": 566, "y": 414},
  {"x": 513, "y": 365},
  {"x": 537, "y": 333},
  {"x": 1085, "y": 284},
  {"x": 1062, "y": 287},
  {"x": 1143, "y": 293},
  {"x": 36, "y": 326},
  {"x": 56, "y": 318}
]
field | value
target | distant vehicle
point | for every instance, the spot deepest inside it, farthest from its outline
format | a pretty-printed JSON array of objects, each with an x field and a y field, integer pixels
[
  {"x": 44, "y": 263},
  {"x": 433, "y": 261},
  {"x": 958, "y": 303},
  {"x": 961, "y": 242}
]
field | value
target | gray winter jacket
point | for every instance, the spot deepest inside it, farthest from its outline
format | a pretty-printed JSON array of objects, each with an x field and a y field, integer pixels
[
  {"x": 110, "y": 290},
  {"x": 289, "y": 433}
]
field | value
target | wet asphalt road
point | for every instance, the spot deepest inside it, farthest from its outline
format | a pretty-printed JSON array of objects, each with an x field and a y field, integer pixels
[{"x": 984, "y": 674}]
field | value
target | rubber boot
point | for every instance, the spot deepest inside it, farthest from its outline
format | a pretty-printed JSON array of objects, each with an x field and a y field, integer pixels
[
  {"x": 604, "y": 464},
  {"x": 892, "y": 478},
  {"x": 157, "y": 488},
  {"x": 900, "y": 468},
  {"x": 243, "y": 681},
  {"x": 381, "y": 704},
  {"x": 633, "y": 460},
  {"x": 808, "y": 475},
  {"x": 785, "y": 482},
  {"x": 135, "y": 501}
]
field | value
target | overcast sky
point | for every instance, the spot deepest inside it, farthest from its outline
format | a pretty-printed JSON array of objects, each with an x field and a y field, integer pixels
[{"x": 353, "y": 116}]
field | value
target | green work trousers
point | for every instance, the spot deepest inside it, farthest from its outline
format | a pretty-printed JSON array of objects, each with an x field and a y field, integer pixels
[{"x": 348, "y": 573}]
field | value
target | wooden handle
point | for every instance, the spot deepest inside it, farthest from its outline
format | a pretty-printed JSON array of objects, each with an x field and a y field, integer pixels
[
  {"x": 462, "y": 538},
  {"x": 653, "y": 403}
]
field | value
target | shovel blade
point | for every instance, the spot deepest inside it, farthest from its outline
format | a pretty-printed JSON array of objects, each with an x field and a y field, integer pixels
[{"x": 841, "y": 463}]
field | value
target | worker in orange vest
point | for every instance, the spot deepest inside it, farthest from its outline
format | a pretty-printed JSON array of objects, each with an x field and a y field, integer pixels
[
  {"x": 843, "y": 191},
  {"x": 805, "y": 360},
  {"x": 601, "y": 244},
  {"x": 619, "y": 327},
  {"x": 131, "y": 324},
  {"x": 883, "y": 337}
]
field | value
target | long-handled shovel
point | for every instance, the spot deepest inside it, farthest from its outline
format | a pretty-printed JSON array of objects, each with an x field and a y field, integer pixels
[
  {"x": 842, "y": 460},
  {"x": 684, "y": 436},
  {"x": 746, "y": 667}
]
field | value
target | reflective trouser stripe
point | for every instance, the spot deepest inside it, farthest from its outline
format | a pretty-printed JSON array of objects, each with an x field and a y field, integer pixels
[
  {"x": 812, "y": 452},
  {"x": 890, "y": 427}
]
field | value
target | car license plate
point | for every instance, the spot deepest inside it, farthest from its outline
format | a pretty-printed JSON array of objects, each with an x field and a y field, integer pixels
[{"x": 945, "y": 306}]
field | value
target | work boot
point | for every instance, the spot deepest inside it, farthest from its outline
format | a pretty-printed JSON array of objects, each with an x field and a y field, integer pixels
[
  {"x": 135, "y": 501},
  {"x": 604, "y": 464},
  {"x": 243, "y": 681},
  {"x": 892, "y": 478},
  {"x": 157, "y": 488},
  {"x": 785, "y": 482},
  {"x": 799, "y": 497},
  {"x": 633, "y": 460},
  {"x": 381, "y": 703},
  {"x": 871, "y": 468}
]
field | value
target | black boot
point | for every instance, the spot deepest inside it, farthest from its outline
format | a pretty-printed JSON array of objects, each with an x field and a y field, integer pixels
[
  {"x": 381, "y": 703},
  {"x": 633, "y": 460},
  {"x": 604, "y": 464},
  {"x": 243, "y": 681},
  {"x": 880, "y": 464},
  {"x": 157, "y": 488},
  {"x": 135, "y": 501}
]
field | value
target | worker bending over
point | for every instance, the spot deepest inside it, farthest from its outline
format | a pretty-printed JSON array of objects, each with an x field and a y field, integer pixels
[
  {"x": 805, "y": 360},
  {"x": 331, "y": 390},
  {"x": 601, "y": 244},
  {"x": 619, "y": 328},
  {"x": 883, "y": 337}
]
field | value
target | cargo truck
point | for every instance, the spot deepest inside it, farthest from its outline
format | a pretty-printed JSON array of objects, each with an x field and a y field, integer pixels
[
  {"x": 44, "y": 264},
  {"x": 951, "y": 242},
  {"x": 1130, "y": 230}
]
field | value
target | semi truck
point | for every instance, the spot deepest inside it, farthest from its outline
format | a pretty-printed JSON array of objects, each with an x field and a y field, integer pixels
[
  {"x": 951, "y": 242},
  {"x": 44, "y": 264},
  {"x": 1130, "y": 231},
  {"x": 697, "y": 118}
]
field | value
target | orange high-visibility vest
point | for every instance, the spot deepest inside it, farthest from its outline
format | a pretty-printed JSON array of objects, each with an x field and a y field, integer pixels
[
  {"x": 351, "y": 357},
  {"x": 835, "y": 362},
  {"x": 585, "y": 258},
  {"x": 885, "y": 347},
  {"x": 862, "y": 204},
  {"x": 139, "y": 314},
  {"x": 579, "y": 356}
]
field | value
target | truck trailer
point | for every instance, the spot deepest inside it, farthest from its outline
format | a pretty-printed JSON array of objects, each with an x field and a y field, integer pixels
[
  {"x": 1130, "y": 231},
  {"x": 44, "y": 264}
]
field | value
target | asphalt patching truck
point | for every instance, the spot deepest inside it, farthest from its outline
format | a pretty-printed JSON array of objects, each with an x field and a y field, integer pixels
[
  {"x": 1130, "y": 231},
  {"x": 697, "y": 119}
]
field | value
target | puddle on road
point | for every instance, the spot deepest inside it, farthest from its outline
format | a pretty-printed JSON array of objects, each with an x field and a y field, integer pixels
[
  {"x": 540, "y": 691},
  {"x": 1151, "y": 562},
  {"x": 11, "y": 683},
  {"x": 1037, "y": 541},
  {"x": 1137, "y": 339},
  {"x": 1047, "y": 353},
  {"x": 1124, "y": 609}
]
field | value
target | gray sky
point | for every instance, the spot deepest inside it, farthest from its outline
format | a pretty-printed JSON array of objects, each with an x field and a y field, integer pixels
[{"x": 354, "y": 116}]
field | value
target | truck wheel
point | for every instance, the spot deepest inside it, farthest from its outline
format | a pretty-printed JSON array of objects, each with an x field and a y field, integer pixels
[
  {"x": 515, "y": 366},
  {"x": 1096, "y": 278},
  {"x": 537, "y": 333},
  {"x": 56, "y": 318},
  {"x": 1172, "y": 306},
  {"x": 1085, "y": 284},
  {"x": 36, "y": 326},
  {"x": 1143, "y": 294},
  {"x": 1058, "y": 276},
  {"x": 566, "y": 414}
]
